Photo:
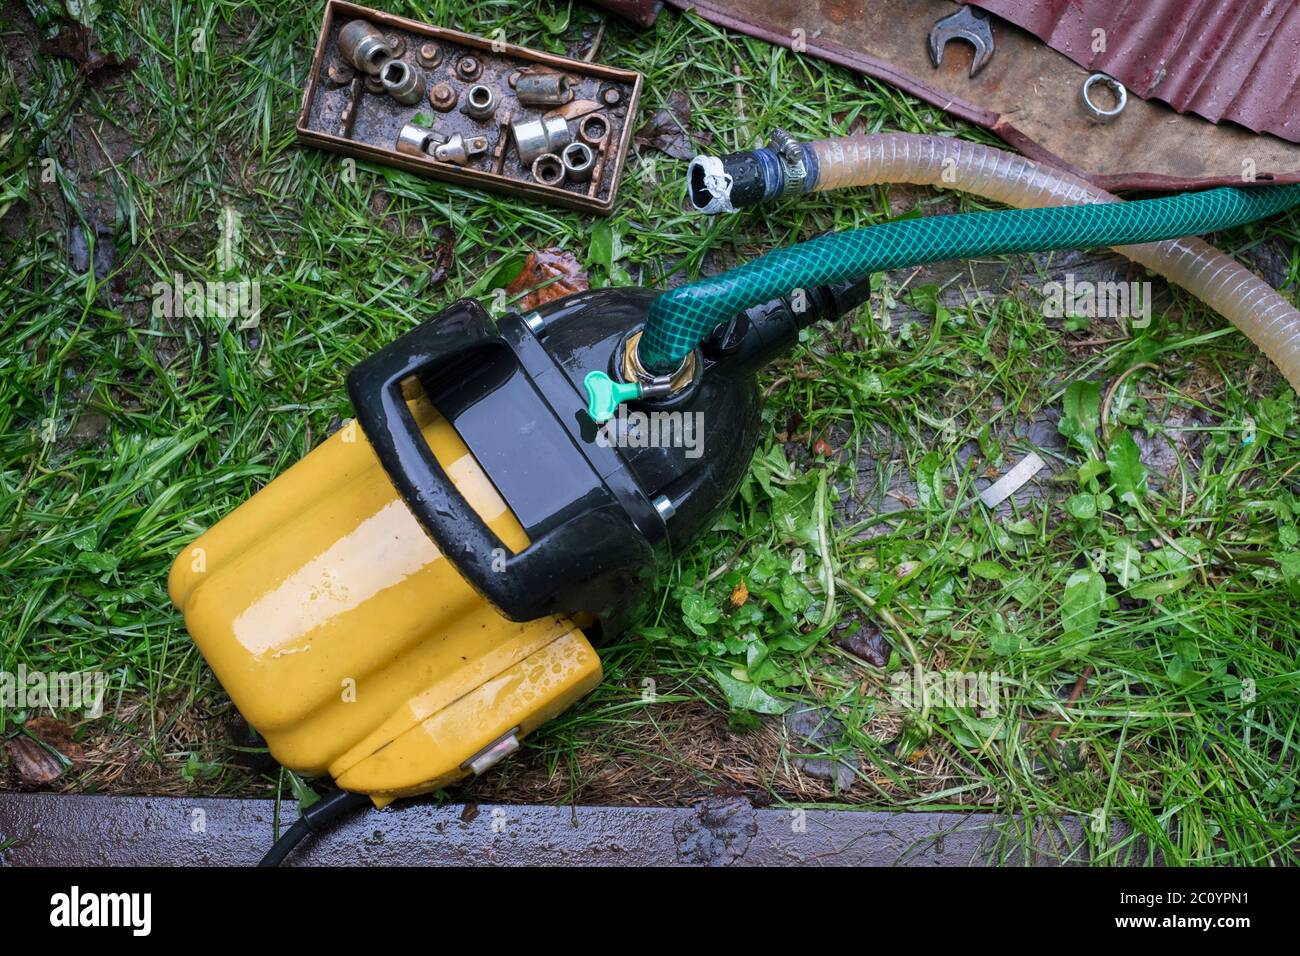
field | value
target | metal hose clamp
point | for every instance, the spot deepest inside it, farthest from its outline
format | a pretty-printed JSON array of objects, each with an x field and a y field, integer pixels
[
  {"x": 790, "y": 153},
  {"x": 654, "y": 386}
]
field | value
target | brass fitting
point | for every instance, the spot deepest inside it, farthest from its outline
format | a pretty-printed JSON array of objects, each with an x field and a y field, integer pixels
[{"x": 654, "y": 386}]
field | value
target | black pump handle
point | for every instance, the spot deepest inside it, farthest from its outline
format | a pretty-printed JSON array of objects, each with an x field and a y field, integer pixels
[{"x": 524, "y": 586}]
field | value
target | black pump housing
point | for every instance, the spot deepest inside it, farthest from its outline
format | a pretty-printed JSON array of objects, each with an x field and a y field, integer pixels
[{"x": 602, "y": 505}]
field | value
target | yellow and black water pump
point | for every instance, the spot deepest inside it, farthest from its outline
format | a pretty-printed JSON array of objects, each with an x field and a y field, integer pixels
[
  {"x": 408, "y": 601},
  {"x": 404, "y": 604}
]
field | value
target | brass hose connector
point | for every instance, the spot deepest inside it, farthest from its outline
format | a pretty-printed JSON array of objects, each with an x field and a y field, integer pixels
[{"x": 654, "y": 386}]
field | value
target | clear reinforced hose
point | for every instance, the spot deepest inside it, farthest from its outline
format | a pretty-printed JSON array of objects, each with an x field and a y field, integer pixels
[
  {"x": 1268, "y": 319},
  {"x": 1228, "y": 287}
]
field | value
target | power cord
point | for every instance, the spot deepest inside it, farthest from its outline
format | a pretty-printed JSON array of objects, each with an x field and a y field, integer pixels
[{"x": 313, "y": 818}]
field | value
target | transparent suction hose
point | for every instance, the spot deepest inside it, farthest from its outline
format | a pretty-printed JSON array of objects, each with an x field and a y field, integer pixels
[{"x": 1268, "y": 319}]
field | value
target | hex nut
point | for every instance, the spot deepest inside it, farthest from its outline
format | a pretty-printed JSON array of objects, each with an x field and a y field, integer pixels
[
  {"x": 469, "y": 68},
  {"x": 429, "y": 55},
  {"x": 442, "y": 97}
]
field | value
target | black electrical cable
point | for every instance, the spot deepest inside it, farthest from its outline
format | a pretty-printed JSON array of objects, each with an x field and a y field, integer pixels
[{"x": 313, "y": 818}]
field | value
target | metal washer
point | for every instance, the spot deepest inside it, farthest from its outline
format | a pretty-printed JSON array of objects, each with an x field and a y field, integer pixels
[{"x": 1095, "y": 111}]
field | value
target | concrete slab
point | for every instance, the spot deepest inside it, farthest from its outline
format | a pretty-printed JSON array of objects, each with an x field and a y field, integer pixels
[{"x": 49, "y": 829}]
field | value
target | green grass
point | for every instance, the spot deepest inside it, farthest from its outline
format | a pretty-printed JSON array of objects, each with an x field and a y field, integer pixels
[{"x": 124, "y": 434}]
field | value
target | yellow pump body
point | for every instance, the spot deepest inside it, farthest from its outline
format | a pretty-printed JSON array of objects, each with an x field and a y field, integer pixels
[{"x": 352, "y": 645}]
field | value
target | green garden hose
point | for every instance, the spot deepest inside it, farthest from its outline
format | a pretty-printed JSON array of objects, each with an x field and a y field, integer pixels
[{"x": 681, "y": 318}]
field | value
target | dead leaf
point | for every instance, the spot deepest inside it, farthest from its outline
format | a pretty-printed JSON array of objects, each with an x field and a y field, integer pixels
[
  {"x": 669, "y": 129},
  {"x": 739, "y": 594},
  {"x": 78, "y": 43},
  {"x": 868, "y": 643},
  {"x": 443, "y": 259},
  {"x": 90, "y": 425},
  {"x": 574, "y": 109},
  {"x": 32, "y": 765},
  {"x": 56, "y": 734},
  {"x": 559, "y": 269}
]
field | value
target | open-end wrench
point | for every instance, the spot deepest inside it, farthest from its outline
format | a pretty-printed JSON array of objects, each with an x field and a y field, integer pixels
[{"x": 966, "y": 24}]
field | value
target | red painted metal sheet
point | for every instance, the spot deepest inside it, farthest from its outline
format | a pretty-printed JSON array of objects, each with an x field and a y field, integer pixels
[
  {"x": 1236, "y": 60},
  {"x": 1028, "y": 95},
  {"x": 640, "y": 12}
]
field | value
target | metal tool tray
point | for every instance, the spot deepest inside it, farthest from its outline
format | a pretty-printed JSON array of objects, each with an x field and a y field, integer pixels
[{"x": 347, "y": 118}]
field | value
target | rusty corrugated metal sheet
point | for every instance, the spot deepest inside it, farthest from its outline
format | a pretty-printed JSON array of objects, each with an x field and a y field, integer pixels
[
  {"x": 1236, "y": 60},
  {"x": 1028, "y": 94},
  {"x": 640, "y": 12}
]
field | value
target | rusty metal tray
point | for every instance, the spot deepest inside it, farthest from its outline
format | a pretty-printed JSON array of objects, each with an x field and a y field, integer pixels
[{"x": 339, "y": 113}]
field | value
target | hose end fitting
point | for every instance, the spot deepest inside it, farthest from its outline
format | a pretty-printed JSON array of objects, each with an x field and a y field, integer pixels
[
  {"x": 709, "y": 185},
  {"x": 785, "y": 167},
  {"x": 632, "y": 381},
  {"x": 655, "y": 384}
]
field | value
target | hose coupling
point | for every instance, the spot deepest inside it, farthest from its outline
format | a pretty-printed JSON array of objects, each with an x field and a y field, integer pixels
[
  {"x": 634, "y": 381},
  {"x": 783, "y": 168},
  {"x": 654, "y": 385}
]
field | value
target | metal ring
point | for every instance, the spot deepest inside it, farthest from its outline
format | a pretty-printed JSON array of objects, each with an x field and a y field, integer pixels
[
  {"x": 593, "y": 129},
  {"x": 1095, "y": 111},
  {"x": 659, "y": 386},
  {"x": 548, "y": 169},
  {"x": 790, "y": 154}
]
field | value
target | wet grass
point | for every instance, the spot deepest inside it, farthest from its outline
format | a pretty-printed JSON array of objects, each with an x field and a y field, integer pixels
[{"x": 124, "y": 433}]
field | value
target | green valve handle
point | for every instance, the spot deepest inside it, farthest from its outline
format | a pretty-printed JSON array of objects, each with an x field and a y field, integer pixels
[{"x": 604, "y": 395}]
